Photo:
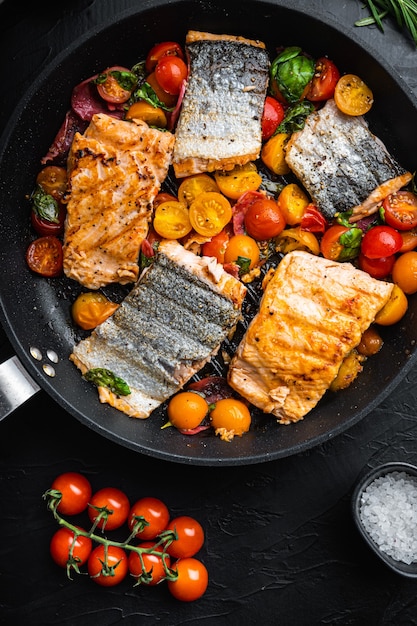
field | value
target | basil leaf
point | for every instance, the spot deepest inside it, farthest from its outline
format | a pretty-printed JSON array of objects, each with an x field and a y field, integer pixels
[
  {"x": 105, "y": 378},
  {"x": 351, "y": 242},
  {"x": 292, "y": 71},
  {"x": 295, "y": 117},
  {"x": 45, "y": 205},
  {"x": 244, "y": 264},
  {"x": 145, "y": 92}
]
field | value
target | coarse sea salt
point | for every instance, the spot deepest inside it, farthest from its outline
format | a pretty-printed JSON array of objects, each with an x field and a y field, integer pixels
[{"x": 388, "y": 511}]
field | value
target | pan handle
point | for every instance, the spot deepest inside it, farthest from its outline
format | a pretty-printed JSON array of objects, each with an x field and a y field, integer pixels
[{"x": 16, "y": 386}]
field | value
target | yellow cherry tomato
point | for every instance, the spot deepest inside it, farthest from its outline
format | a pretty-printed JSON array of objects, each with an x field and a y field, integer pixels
[
  {"x": 404, "y": 272},
  {"x": 296, "y": 239},
  {"x": 243, "y": 250},
  {"x": 91, "y": 309},
  {"x": 352, "y": 96},
  {"x": 209, "y": 213},
  {"x": 187, "y": 410},
  {"x": 241, "y": 178},
  {"x": 171, "y": 220},
  {"x": 192, "y": 186},
  {"x": 154, "y": 116},
  {"x": 394, "y": 309},
  {"x": 292, "y": 201},
  {"x": 273, "y": 154},
  {"x": 230, "y": 417}
]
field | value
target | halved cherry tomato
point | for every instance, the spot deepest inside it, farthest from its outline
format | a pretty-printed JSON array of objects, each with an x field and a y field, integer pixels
[
  {"x": 404, "y": 272},
  {"x": 108, "y": 565},
  {"x": 394, "y": 309},
  {"x": 242, "y": 250},
  {"x": 165, "y": 48},
  {"x": 110, "y": 506},
  {"x": 170, "y": 72},
  {"x": 216, "y": 246},
  {"x": 115, "y": 84},
  {"x": 153, "y": 570},
  {"x": 230, "y": 415},
  {"x": 313, "y": 220},
  {"x": 191, "y": 582},
  {"x": 91, "y": 309},
  {"x": 209, "y": 213},
  {"x": 45, "y": 256},
  {"x": 340, "y": 243},
  {"x": 264, "y": 219},
  {"x": 153, "y": 116},
  {"x": 273, "y": 114},
  {"x": 45, "y": 227},
  {"x": 186, "y": 410},
  {"x": 191, "y": 187},
  {"x": 166, "y": 98},
  {"x": 409, "y": 238},
  {"x": 190, "y": 535},
  {"x": 67, "y": 550},
  {"x": 241, "y": 178},
  {"x": 53, "y": 180},
  {"x": 377, "y": 268},
  {"x": 400, "y": 210},
  {"x": 324, "y": 81},
  {"x": 352, "y": 96},
  {"x": 164, "y": 196},
  {"x": 297, "y": 239},
  {"x": 381, "y": 241},
  {"x": 76, "y": 492},
  {"x": 292, "y": 201},
  {"x": 154, "y": 512},
  {"x": 273, "y": 154},
  {"x": 171, "y": 220}
]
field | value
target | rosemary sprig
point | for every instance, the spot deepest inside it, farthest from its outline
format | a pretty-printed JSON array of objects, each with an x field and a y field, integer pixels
[{"x": 404, "y": 12}]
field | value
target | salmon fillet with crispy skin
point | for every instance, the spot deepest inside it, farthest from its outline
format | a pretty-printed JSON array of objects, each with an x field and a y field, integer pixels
[
  {"x": 312, "y": 314},
  {"x": 220, "y": 120},
  {"x": 115, "y": 171}
]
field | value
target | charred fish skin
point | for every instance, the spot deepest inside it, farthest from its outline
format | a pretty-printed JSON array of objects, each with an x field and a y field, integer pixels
[
  {"x": 220, "y": 121},
  {"x": 340, "y": 162}
]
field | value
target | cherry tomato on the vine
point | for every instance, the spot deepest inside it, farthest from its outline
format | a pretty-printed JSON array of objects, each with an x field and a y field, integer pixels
[
  {"x": 381, "y": 241},
  {"x": 76, "y": 492},
  {"x": 273, "y": 114},
  {"x": 170, "y": 72},
  {"x": 44, "y": 256},
  {"x": 187, "y": 409},
  {"x": 192, "y": 580},
  {"x": 323, "y": 84},
  {"x": 400, "y": 210},
  {"x": 165, "y": 48},
  {"x": 154, "y": 511},
  {"x": 64, "y": 550},
  {"x": 153, "y": 564},
  {"x": 264, "y": 219},
  {"x": 117, "y": 504},
  {"x": 108, "y": 565},
  {"x": 190, "y": 537}
]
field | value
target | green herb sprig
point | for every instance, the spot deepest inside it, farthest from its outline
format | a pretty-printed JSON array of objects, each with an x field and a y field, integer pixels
[{"x": 404, "y": 12}]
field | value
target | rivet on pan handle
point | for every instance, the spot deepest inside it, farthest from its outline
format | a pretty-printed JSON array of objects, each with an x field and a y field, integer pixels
[{"x": 16, "y": 386}]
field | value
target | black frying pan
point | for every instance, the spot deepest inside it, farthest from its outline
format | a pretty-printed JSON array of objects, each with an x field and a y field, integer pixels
[{"x": 35, "y": 312}]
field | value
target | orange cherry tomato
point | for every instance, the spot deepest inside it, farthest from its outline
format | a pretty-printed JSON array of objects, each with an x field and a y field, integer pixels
[
  {"x": 233, "y": 183},
  {"x": 216, "y": 246},
  {"x": 44, "y": 256},
  {"x": 153, "y": 116},
  {"x": 53, "y": 180},
  {"x": 153, "y": 571},
  {"x": 394, "y": 309},
  {"x": 297, "y": 239},
  {"x": 154, "y": 512},
  {"x": 293, "y": 202},
  {"x": 91, "y": 309},
  {"x": 108, "y": 565},
  {"x": 273, "y": 154},
  {"x": 352, "y": 96},
  {"x": 186, "y": 410},
  {"x": 242, "y": 250},
  {"x": 340, "y": 243},
  {"x": 191, "y": 582},
  {"x": 190, "y": 535},
  {"x": 409, "y": 238},
  {"x": 404, "y": 272},
  {"x": 231, "y": 415},
  {"x": 264, "y": 219},
  {"x": 171, "y": 220},
  {"x": 209, "y": 213},
  {"x": 193, "y": 185},
  {"x": 163, "y": 196}
]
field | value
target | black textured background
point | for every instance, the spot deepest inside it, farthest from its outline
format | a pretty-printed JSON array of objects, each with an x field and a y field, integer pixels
[{"x": 281, "y": 547}]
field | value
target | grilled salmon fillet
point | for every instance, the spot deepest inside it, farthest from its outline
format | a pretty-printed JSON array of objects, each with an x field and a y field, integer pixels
[
  {"x": 220, "y": 120},
  {"x": 167, "y": 328},
  {"x": 312, "y": 314},
  {"x": 342, "y": 165},
  {"x": 115, "y": 171}
]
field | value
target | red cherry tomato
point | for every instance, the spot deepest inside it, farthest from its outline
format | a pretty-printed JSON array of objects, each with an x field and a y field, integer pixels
[
  {"x": 115, "y": 502},
  {"x": 381, "y": 241},
  {"x": 192, "y": 580},
  {"x": 153, "y": 564},
  {"x": 117, "y": 84},
  {"x": 44, "y": 227},
  {"x": 108, "y": 567},
  {"x": 400, "y": 210},
  {"x": 377, "y": 268},
  {"x": 44, "y": 256},
  {"x": 190, "y": 537},
  {"x": 76, "y": 492},
  {"x": 154, "y": 511},
  {"x": 170, "y": 72},
  {"x": 340, "y": 243},
  {"x": 264, "y": 219},
  {"x": 324, "y": 81},
  {"x": 216, "y": 246},
  {"x": 166, "y": 48},
  {"x": 64, "y": 550},
  {"x": 312, "y": 220},
  {"x": 272, "y": 117}
]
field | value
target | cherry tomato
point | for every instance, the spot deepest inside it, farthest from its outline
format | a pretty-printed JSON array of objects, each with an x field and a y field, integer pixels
[
  {"x": 273, "y": 154},
  {"x": 108, "y": 567},
  {"x": 76, "y": 492},
  {"x": 112, "y": 500},
  {"x": 190, "y": 535},
  {"x": 209, "y": 213},
  {"x": 381, "y": 241},
  {"x": 340, "y": 243},
  {"x": 170, "y": 72},
  {"x": 163, "y": 196},
  {"x": 394, "y": 309},
  {"x": 216, "y": 246},
  {"x": 166, "y": 98},
  {"x": 153, "y": 564},
  {"x": 264, "y": 219},
  {"x": 232, "y": 415},
  {"x": 371, "y": 342},
  {"x": 64, "y": 550},
  {"x": 192, "y": 580},
  {"x": 377, "y": 268},
  {"x": 193, "y": 185},
  {"x": 404, "y": 272},
  {"x": 53, "y": 180},
  {"x": 171, "y": 220},
  {"x": 166, "y": 48},
  {"x": 91, "y": 309},
  {"x": 409, "y": 238},
  {"x": 242, "y": 250},
  {"x": 187, "y": 410},
  {"x": 297, "y": 239},
  {"x": 115, "y": 84},
  {"x": 152, "y": 115},
  {"x": 45, "y": 256},
  {"x": 324, "y": 81},
  {"x": 313, "y": 220},
  {"x": 154, "y": 511},
  {"x": 352, "y": 96},
  {"x": 273, "y": 114},
  {"x": 293, "y": 202},
  {"x": 400, "y": 210},
  {"x": 45, "y": 227},
  {"x": 233, "y": 183}
]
